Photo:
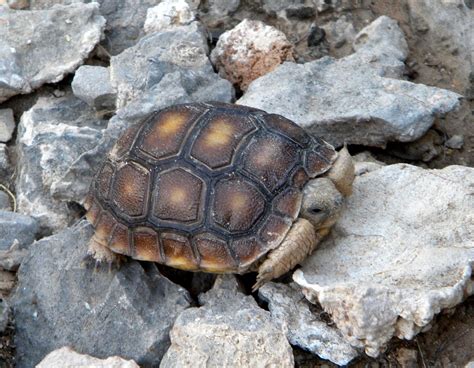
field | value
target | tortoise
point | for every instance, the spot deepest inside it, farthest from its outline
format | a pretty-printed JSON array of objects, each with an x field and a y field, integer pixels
[{"x": 218, "y": 188}]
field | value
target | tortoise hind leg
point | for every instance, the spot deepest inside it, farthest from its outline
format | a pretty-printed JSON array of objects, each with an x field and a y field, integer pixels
[
  {"x": 99, "y": 254},
  {"x": 298, "y": 243}
]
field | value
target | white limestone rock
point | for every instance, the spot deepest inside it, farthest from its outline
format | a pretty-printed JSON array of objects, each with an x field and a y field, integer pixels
[
  {"x": 303, "y": 327},
  {"x": 168, "y": 14},
  {"x": 67, "y": 357},
  {"x": 402, "y": 251}
]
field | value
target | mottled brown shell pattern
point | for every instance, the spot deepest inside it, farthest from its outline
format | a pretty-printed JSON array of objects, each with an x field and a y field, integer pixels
[{"x": 209, "y": 187}]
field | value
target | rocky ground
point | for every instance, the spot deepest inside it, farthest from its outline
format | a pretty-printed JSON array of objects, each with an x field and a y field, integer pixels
[{"x": 392, "y": 283}]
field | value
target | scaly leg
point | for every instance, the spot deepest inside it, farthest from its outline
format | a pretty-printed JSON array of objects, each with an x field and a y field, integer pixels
[{"x": 300, "y": 241}]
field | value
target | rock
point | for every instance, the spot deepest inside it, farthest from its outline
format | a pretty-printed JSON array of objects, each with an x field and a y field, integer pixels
[
  {"x": 401, "y": 252},
  {"x": 316, "y": 35},
  {"x": 18, "y": 4},
  {"x": 68, "y": 357},
  {"x": 4, "y": 160},
  {"x": 125, "y": 19},
  {"x": 446, "y": 32},
  {"x": 178, "y": 54},
  {"x": 5, "y": 204},
  {"x": 15, "y": 226},
  {"x": 406, "y": 358},
  {"x": 228, "y": 330},
  {"x": 383, "y": 45},
  {"x": 5, "y": 315},
  {"x": 222, "y": 8},
  {"x": 304, "y": 328},
  {"x": 51, "y": 136},
  {"x": 38, "y": 47},
  {"x": 340, "y": 33},
  {"x": 128, "y": 312},
  {"x": 250, "y": 50},
  {"x": 349, "y": 99},
  {"x": 168, "y": 14},
  {"x": 7, "y": 124},
  {"x": 92, "y": 85},
  {"x": 455, "y": 142}
]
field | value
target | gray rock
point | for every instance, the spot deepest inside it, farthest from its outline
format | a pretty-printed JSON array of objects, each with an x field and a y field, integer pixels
[
  {"x": 61, "y": 302},
  {"x": 229, "y": 330},
  {"x": 51, "y": 136},
  {"x": 67, "y": 357},
  {"x": 364, "y": 162},
  {"x": 125, "y": 19},
  {"x": 455, "y": 142},
  {"x": 350, "y": 99},
  {"x": 401, "y": 252},
  {"x": 142, "y": 67},
  {"x": 15, "y": 226},
  {"x": 38, "y": 47},
  {"x": 5, "y": 315},
  {"x": 92, "y": 85},
  {"x": 7, "y": 124},
  {"x": 304, "y": 328},
  {"x": 4, "y": 159},
  {"x": 446, "y": 31},
  {"x": 5, "y": 204}
]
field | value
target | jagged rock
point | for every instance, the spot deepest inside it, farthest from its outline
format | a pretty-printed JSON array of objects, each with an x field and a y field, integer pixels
[
  {"x": 7, "y": 124},
  {"x": 15, "y": 226},
  {"x": 455, "y": 142},
  {"x": 446, "y": 30},
  {"x": 60, "y": 301},
  {"x": 51, "y": 136},
  {"x": 250, "y": 50},
  {"x": 38, "y": 47},
  {"x": 350, "y": 99},
  {"x": 401, "y": 252},
  {"x": 125, "y": 19},
  {"x": 229, "y": 329},
  {"x": 66, "y": 357},
  {"x": 304, "y": 328},
  {"x": 92, "y": 85},
  {"x": 168, "y": 14},
  {"x": 179, "y": 53}
]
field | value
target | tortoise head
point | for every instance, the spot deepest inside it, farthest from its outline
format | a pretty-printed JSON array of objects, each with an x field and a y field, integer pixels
[{"x": 323, "y": 196}]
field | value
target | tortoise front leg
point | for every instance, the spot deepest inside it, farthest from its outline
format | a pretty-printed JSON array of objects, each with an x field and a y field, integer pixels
[{"x": 300, "y": 241}]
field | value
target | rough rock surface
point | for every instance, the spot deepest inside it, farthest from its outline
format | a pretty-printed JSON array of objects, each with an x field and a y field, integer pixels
[
  {"x": 51, "y": 136},
  {"x": 38, "y": 47},
  {"x": 350, "y": 99},
  {"x": 5, "y": 204},
  {"x": 402, "y": 251},
  {"x": 7, "y": 124},
  {"x": 168, "y": 14},
  {"x": 67, "y": 357},
  {"x": 250, "y": 50},
  {"x": 229, "y": 330},
  {"x": 4, "y": 159},
  {"x": 303, "y": 327},
  {"x": 16, "y": 227},
  {"x": 92, "y": 85},
  {"x": 179, "y": 54},
  {"x": 127, "y": 312},
  {"x": 5, "y": 314},
  {"x": 446, "y": 29}
]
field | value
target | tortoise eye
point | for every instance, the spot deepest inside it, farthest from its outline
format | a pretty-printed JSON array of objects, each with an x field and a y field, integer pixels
[{"x": 315, "y": 210}]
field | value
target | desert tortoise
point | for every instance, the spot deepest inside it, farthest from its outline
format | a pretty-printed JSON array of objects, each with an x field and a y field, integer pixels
[{"x": 218, "y": 188}]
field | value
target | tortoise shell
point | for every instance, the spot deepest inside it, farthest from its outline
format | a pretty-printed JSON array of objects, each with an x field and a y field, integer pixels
[{"x": 204, "y": 186}]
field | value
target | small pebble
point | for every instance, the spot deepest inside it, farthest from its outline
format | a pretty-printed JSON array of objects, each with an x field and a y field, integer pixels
[{"x": 455, "y": 142}]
